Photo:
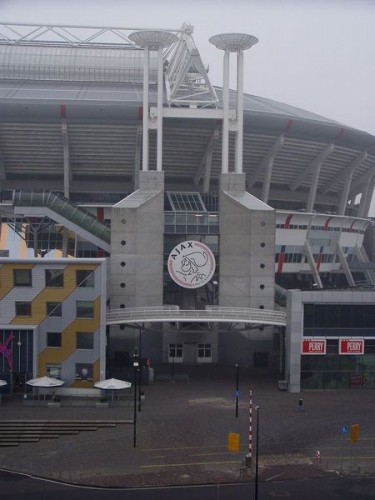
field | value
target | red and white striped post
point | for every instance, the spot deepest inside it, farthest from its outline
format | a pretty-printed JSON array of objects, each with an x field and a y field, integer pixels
[{"x": 250, "y": 450}]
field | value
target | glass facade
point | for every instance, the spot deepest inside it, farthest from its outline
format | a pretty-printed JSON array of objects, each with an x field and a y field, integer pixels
[
  {"x": 334, "y": 370},
  {"x": 343, "y": 320}
]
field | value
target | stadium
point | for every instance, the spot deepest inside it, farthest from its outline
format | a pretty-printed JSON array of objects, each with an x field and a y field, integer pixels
[{"x": 147, "y": 212}]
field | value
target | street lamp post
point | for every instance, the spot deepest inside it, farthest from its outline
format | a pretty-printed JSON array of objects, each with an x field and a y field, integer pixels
[
  {"x": 136, "y": 368},
  {"x": 237, "y": 388},
  {"x": 214, "y": 292},
  {"x": 257, "y": 408},
  {"x": 140, "y": 369}
]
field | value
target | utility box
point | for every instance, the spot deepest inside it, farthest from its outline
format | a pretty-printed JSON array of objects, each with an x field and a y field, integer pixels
[{"x": 283, "y": 385}]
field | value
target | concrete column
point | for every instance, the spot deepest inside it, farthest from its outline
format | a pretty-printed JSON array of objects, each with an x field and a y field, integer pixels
[
  {"x": 294, "y": 334},
  {"x": 345, "y": 195},
  {"x": 145, "y": 110},
  {"x": 366, "y": 198},
  {"x": 152, "y": 40},
  {"x": 233, "y": 42},
  {"x": 225, "y": 130},
  {"x": 239, "y": 134},
  {"x": 159, "y": 157},
  {"x": 66, "y": 154}
]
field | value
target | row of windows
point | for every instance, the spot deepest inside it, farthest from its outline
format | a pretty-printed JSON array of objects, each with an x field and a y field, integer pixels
[
  {"x": 84, "y": 340},
  {"x": 339, "y": 316},
  {"x": 299, "y": 257},
  {"x": 84, "y": 308},
  {"x": 291, "y": 226},
  {"x": 325, "y": 257},
  {"x": 53, "y": 278},
  {"x": 319, "y": 228},
  {"x": 203, "y": 350},
  {"x": 83, "y": 371},
  {"x": 291, "y": 257}
]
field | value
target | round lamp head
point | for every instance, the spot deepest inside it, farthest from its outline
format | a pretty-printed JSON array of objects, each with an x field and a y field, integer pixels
[
  {"x": 153, "y": 39},
  {"x": 233, "y": 42}
]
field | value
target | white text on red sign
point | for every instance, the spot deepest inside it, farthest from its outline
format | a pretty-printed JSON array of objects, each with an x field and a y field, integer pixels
[
  {"x": 352, "y": 346},
  {"x": 313, "y": 346}
]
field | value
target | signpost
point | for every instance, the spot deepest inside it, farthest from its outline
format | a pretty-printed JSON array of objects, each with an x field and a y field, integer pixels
[
  {"x": 237, "y": 388},
  {"x": 344, "y": 432}
]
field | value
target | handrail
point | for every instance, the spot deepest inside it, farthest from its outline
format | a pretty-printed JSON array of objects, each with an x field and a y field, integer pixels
[{"x": 210, "y": 314}]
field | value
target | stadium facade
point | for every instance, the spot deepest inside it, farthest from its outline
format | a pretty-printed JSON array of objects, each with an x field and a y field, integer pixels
[{"x": 231, "y": 228}]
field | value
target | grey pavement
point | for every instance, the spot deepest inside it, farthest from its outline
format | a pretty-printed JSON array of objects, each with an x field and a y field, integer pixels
[{"x": 182, "y": 434}]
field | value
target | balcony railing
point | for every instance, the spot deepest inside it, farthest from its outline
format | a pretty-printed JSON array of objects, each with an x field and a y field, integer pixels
[{"x": 212, "y": 314}]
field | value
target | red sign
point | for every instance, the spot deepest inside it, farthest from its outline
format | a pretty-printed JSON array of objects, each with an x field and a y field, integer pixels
[
  {"x": 351, "y": 346},
  {"x": 314, "y": 346}
]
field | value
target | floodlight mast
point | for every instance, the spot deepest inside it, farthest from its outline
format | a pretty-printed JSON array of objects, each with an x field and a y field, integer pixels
[
  {"x": 233, "y": 42},
  {"x": 153, "y": 40}
]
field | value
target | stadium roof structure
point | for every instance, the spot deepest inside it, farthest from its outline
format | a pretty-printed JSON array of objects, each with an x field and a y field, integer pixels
[{"x": 59, "y": 85}]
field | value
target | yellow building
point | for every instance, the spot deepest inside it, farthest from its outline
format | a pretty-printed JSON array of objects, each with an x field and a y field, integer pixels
[{"x": 52, "y": 320}]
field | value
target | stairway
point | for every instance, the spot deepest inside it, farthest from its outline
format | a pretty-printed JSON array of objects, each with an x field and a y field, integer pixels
[
  {"x": 61, "y": 210},
  {"x": 15, "y": 432}
]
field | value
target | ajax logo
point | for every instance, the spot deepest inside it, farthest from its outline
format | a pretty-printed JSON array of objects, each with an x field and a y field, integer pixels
[{"x": 191, "y": 264}]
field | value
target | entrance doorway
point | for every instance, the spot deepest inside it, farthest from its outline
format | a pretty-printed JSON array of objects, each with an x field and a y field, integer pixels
[
  {"x": 260, "y": 359},
  {"x": 190, "y": 353}
]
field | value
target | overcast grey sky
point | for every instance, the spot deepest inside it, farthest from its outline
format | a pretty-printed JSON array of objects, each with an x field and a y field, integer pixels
[
  {"x": 315, "y": 54},
  {"x": 318, "y": 55}
]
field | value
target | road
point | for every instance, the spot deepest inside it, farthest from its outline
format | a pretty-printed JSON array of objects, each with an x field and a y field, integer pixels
[{"x": 22, "y": 487}]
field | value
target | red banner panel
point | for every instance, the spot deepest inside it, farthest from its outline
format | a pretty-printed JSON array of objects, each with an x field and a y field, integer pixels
[
  {"x": 314, "y": 346},
  {"x": 351, "y": 346}
]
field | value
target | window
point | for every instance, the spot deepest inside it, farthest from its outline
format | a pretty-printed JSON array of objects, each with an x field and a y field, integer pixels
[
  {"x": 175, "y": 351},
  {"x": 85, "y": 340},
  {"x": 55, "y": 278},
  {"x": 54, "y": 309},
  {"x": 84, "y": 371},
  {"x": 204, "y": 351},
  {"x": 85, "y": 309},
  {"x": 22, "y": 277},
  {"x": 54, "y": 371},
  {"x": 85, "y": 278},
  {"x": 53, "y": 339},
  {"x": 339, "y": 319},
  {"x": 23, "y": 308}
]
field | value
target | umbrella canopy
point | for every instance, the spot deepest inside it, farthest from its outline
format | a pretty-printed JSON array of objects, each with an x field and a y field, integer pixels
[
  {"x": 45, "y": 382},
  {"x": 3, "y": 382},
  {"x": 112, "y": 383}
]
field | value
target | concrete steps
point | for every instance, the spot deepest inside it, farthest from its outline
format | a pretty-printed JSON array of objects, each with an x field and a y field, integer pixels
[{"x": 15, "y": 432}]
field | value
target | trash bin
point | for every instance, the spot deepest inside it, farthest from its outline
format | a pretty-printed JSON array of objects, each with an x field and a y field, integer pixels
[{"x": 283, "y": 385}]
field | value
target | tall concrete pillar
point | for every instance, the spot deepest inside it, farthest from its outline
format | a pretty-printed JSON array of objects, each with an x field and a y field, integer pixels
[
  {"x": 152, "y": 40},
  {"x": 233, "y": 42}
]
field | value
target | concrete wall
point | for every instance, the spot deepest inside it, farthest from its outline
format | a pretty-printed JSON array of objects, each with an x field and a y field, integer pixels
[
  {"x": 247, "y": 267},
  {"x": 247, "y": 247},
  {"x": 190, "y": 341},
  {"x": 136, "y": 270},
  {"x": 241, "y": 347},
  {"x": 294, "y": 332}
]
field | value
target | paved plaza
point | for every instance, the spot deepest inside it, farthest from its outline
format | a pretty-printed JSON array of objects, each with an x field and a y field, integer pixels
[{"x": 182, "y": 433}]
